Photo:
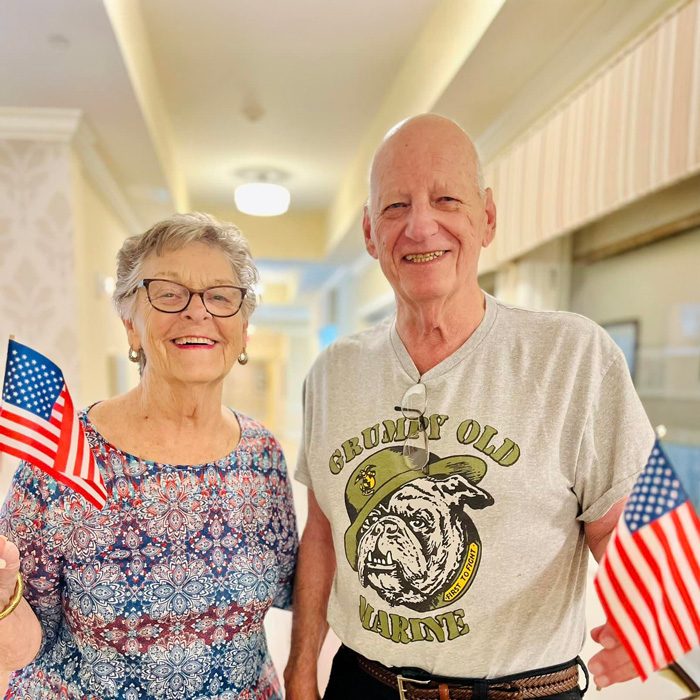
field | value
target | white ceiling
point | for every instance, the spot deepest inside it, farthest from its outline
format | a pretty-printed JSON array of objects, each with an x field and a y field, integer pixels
[
  {"x": 88, "y": 74},
  {"x": 291, "y": 85},
  {"x": 317, "y": 72}
]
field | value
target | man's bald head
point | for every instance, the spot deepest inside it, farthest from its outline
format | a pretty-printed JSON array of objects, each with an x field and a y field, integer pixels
[
  {"x": 428, "y": 218},
  {"x": 430, "y": 133}
]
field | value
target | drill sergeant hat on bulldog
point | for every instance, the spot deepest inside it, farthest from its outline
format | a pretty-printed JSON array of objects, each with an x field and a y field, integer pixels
[{"x": 410, "y": 536}]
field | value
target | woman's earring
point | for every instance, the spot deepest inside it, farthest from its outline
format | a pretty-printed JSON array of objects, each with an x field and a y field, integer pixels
[
  {"x": 133, "y": 354},
  {"x": 243, "y": 358}
]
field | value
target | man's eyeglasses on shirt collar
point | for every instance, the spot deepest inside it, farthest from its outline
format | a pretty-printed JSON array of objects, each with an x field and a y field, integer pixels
[{"x": 414, "y": 403}]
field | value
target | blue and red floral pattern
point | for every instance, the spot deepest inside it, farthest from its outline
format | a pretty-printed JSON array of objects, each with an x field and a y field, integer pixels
[{"x": 162, "y": 594}]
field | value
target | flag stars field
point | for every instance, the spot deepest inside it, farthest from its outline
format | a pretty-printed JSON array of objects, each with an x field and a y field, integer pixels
[
  {"x": 651, "y": 495},
  {"x": 28, "y": 375}
]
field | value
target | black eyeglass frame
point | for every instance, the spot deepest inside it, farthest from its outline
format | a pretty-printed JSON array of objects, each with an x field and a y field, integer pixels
[{"x": 146, "y": 282}]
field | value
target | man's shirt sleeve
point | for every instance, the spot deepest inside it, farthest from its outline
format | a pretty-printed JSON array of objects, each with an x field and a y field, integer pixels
[{"x": 616, "y": 443}]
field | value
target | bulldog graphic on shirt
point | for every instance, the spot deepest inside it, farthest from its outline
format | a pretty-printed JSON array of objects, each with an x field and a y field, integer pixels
[{"x": 411, "y": 538}]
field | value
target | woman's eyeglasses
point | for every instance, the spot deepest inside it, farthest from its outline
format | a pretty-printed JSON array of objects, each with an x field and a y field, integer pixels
[
  {"x": 413, "y": 406},
  {"x": 173, "y": 298}
]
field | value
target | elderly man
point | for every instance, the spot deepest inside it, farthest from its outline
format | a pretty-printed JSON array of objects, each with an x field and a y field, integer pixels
[{"x": 461, "y": 460}]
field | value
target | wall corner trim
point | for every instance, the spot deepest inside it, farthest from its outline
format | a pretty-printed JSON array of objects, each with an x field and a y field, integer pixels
[{"x": 70, "y": 126}]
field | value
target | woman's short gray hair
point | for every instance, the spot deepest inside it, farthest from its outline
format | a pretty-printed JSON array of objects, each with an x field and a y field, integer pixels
[{"x": 174, "y": 233}]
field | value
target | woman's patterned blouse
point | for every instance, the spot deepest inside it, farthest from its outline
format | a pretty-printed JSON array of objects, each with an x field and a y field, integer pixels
[{"x": 162, "y": 594}]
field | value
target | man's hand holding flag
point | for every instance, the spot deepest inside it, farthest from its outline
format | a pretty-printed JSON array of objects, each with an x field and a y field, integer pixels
[{"x": 649, "y": 577}]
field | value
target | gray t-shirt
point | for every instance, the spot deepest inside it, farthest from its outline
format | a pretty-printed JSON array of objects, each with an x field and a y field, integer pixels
[{"x": 476, "y": 568}]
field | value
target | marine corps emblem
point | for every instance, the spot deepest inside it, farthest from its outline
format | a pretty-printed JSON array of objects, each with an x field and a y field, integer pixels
[{"x": 367, "y": 480}]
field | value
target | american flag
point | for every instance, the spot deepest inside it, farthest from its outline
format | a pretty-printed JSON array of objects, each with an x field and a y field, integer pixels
[
  {"x": 649, "y": 577},
  {"x": 38, "y": 423}
]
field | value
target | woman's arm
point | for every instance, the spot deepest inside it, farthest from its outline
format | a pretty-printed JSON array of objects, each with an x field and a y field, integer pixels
[
  {"x": 20, "y": 631},
  {"x": 284, "y": 515},
  {"x": 31, "y": 628}
]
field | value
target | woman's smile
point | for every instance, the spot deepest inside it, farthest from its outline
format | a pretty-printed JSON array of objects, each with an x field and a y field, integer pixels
[{"x": 194, "y": 342}]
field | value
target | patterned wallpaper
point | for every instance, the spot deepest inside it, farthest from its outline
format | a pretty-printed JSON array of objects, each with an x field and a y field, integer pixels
[
  {"x": 37, "y": 257},
  {"x": 37, "y": 252}
]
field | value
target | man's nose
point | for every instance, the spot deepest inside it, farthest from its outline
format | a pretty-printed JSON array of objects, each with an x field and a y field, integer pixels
[
  {"x": 422, "y": 222},
  {"x": 196, "y": 309}
]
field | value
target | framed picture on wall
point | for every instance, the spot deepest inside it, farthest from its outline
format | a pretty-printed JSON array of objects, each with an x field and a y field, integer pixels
[{"x": 626, "y": 336}]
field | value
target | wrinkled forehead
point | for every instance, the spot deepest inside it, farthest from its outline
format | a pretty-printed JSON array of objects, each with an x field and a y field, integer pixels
[{"x": 403, "y": 165}]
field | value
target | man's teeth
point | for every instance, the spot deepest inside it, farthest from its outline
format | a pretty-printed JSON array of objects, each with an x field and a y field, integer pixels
[
  {"x": 424, "y": 257},
  {"x": 193, "y": 340}
]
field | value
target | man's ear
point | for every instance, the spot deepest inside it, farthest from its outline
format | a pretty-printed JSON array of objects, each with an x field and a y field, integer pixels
[
  {"x": 490, "y": 208},
  {"x": 458, "y": 491},
  {"x": 367, "y": 228}
]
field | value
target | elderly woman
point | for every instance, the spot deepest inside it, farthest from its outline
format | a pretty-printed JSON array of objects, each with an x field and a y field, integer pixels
[{"x": 162, "y": 594}]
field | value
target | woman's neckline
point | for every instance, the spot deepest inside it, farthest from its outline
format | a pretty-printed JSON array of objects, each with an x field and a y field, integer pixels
[{"x": 240, "y": 419}]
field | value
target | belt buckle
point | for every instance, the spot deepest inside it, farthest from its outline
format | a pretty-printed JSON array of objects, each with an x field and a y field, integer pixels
[{"x": 402, "y": 689}]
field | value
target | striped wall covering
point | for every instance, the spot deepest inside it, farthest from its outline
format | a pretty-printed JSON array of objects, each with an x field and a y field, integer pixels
[{"x": 631, "y": 129}]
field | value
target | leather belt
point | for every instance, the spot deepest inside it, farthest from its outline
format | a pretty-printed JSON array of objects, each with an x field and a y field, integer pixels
[{"x": 539, "y": 685}]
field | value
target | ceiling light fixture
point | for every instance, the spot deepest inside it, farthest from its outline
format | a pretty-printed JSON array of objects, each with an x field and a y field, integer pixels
[
  {"x": 263, "y": 196},
  {"x": 261, "y": 199}
]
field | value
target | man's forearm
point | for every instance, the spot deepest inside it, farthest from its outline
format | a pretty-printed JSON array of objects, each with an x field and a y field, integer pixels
[
  {"x": 315, "y": 569},
  {"x": 314, "y": 577},
  {"x": 599, "y": 532}
]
